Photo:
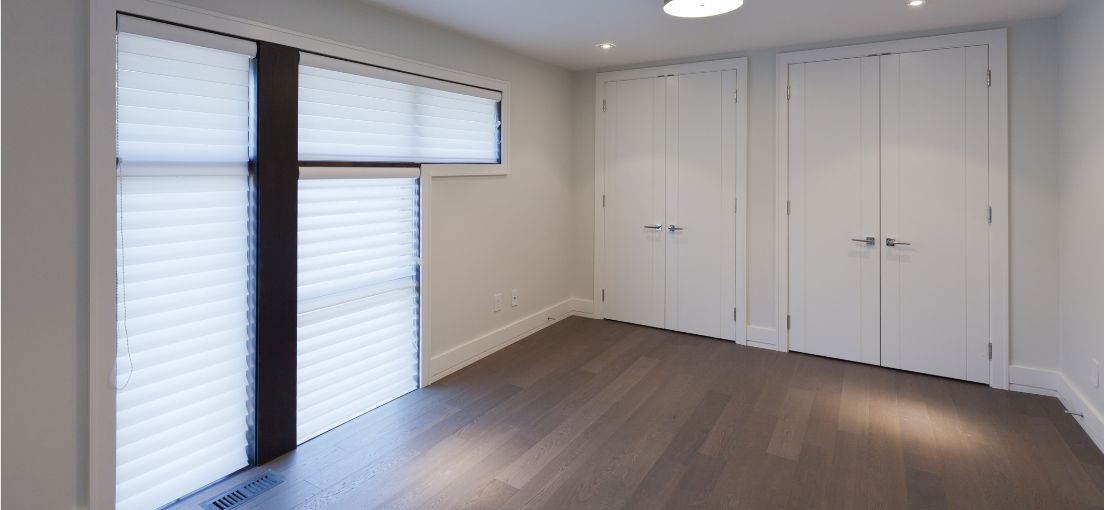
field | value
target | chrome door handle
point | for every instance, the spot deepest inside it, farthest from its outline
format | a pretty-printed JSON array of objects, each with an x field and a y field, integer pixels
[
  {"x": 673, "y": 228},
  {"x": 890, "y": 241},
  {"x": 869, "y": 241},
  {"x": 655, "y": 227}
]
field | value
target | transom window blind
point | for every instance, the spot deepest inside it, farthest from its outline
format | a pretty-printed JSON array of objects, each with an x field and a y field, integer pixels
[
  {"x": 184, "y": 331},
  {"x": 356, "y": 112},
  {"x": 357, "y": 320}
]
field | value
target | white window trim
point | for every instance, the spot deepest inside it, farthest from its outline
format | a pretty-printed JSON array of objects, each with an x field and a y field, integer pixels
[
  {"x": 999, "y": 175},
  {"x": 102, "y": 185},
  {"x": 740, "y": 65}
]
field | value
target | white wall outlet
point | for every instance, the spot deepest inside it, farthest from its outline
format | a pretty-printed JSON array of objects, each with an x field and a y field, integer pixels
[
  {"x": 497, "y": 302},
  {"x": 1096, "y": 374},
  {"x": 513, "y": 298}
]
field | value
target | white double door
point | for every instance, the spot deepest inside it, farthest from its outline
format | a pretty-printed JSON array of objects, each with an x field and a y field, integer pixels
[
  {"x": 888, "y": 224},
  {"x": 670, "y": 191}
]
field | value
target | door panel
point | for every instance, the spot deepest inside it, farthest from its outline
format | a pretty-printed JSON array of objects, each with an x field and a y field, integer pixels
[
  {"x": 701, "y": 180},
  {"x": 634, "y": 185},
  {"x": 834, "y": 187},
  {"x": 935, "y": 307}
]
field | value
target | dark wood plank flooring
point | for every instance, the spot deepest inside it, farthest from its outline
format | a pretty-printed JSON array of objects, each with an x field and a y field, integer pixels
[{"x": 599, "y": 414}]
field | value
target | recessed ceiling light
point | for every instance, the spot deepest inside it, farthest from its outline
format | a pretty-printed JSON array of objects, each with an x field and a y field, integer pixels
[
  {"x": 915, "y": 3},
  {"x": 605, "y": 45},
  {"x": 700, "y": 8}
]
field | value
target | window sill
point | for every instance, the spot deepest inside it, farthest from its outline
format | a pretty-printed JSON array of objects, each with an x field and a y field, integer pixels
[{"x": 464, "y": 170}]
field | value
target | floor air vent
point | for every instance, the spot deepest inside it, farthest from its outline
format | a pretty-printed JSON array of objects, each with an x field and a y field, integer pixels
[{"x": 241, "y": 494}]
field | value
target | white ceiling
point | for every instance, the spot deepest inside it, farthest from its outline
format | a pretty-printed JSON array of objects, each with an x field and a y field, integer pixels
[{"x": 564, "y": 32}]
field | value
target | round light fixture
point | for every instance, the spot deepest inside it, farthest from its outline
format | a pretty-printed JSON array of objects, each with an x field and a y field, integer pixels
[
  {"x": 700, "y": 8},
  {"x": 915, "y": 3},
  {"x": 605, "y": 45}
]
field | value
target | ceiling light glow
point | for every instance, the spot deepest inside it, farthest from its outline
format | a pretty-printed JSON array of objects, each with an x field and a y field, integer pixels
[
  {"x": 915, "y": 3},
  {"x": 700, "y": 8},
  {"x": 605, "y": 45}
]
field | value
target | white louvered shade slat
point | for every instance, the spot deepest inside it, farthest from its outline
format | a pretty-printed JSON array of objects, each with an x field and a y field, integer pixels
[
  {"x": 357, "y": 323},
  {"x": 345, "y": 116},
  {"x": 183, "y": 271}
]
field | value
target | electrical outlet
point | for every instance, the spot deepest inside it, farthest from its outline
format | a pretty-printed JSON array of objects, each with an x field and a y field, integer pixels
[
  {"x": 513, "y": 298},
  {"x": 497, "y": 303}
]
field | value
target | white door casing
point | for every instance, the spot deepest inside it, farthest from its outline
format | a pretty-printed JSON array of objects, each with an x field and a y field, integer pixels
[{"x": 834, "y": 190}]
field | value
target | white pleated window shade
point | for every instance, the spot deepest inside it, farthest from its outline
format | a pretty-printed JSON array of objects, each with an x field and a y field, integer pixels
[
  {"x": 355, "y": 112},
  {"x": 357, "y": 297},
  {"x": 184, "y": 326}
]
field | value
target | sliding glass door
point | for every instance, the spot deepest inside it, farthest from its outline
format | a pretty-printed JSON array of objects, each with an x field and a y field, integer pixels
[
  {"x": 184, "y": 299},
  {"x": 357, "y": 306}
]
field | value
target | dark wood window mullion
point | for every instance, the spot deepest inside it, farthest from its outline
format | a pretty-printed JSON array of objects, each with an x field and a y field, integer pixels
[{"x": 277, "y": 175}]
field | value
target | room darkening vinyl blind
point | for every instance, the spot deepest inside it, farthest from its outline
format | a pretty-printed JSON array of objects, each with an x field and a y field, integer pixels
[
  {"x": 357, "y": 295},
  {"x": 355, "y": 112},
  {"x": 184, "y": 331}
]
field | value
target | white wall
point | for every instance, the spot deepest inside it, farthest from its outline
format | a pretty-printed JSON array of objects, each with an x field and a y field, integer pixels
[
  {"x": 45, "y": 254},
  {"x": 1080, "y": 198},
  {"x": 583, "y": 185},
  {"x": 1033, "y": 53},
  {"x": 1034, "y": 194},
  {"x": 490, "y": 234}
]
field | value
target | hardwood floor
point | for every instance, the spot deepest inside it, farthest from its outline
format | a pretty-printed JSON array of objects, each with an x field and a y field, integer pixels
[{"x": 599, "y": 414}]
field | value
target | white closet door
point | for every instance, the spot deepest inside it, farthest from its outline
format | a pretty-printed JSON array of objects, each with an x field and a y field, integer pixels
[
  {"x": 701, "y": 213},
  {"x": 934, "y": 197},
  {"x": 634, "y": 212},
  {"x": 834, "y": 191}
]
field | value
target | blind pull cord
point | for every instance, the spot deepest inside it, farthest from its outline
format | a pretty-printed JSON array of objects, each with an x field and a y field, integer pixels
[{"x": 121, "y": 283}]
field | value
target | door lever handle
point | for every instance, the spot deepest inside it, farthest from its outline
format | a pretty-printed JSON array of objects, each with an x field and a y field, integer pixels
[
  {"x": 869, "y": 240},
  {"x": 673, "y": 228},
  {"x": 890, "y": 241},
  {"x": 655, "y": 227}
]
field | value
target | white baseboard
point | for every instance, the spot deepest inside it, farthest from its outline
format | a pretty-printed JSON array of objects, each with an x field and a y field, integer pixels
[
  {"x": 1034, "y": 380},
  {"x": 1055, "y": 384},
  {"x": 1076, "y": 402},
  {"x": 759, "y": 336},
  {"x": 583, "y": 307},
  {"x": 473, "y": 350}
]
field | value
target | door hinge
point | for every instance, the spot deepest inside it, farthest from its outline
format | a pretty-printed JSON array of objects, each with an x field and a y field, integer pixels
[
  {"x": 604, "y": 200},
  {"x": 603, "y": 295},
  {"x": 788, "y": 92},
  {"x": 990, "y": 350},
  {"x": 604, "y": 106},
  {"x": 788, "y": 207},
  {"x": 989, "y": 214},
  {"x": 736, "y": 96},
  {"x": 989, "y": 77},
  {"x": 788, "y": 322},
  {"x": 734, "y": 315}
]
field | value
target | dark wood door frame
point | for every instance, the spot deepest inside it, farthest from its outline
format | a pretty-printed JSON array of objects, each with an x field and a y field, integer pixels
[{"x": 276, "y": 179}]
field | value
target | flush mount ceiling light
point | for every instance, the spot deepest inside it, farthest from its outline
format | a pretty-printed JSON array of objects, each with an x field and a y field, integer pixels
[
  {"x": 605, "y": 45},
  {"x": 700, "y": 8},
  {"x": 915, "y": 3}
]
